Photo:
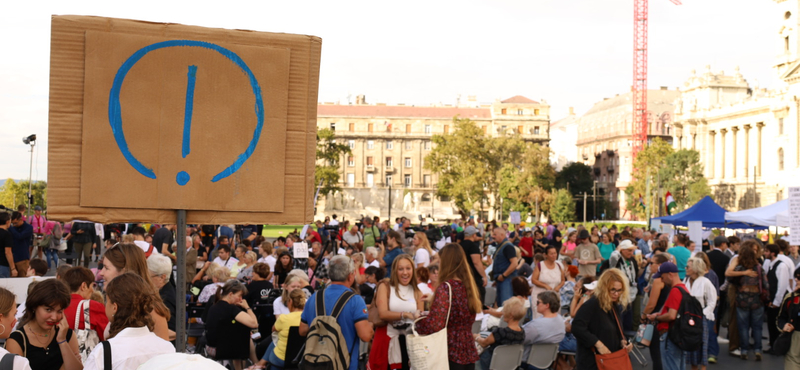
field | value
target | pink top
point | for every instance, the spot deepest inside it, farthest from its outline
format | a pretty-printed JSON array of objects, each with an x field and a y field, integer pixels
[
  {"x": 39, "y": 224},
  {"x": 570, "y": 246}
]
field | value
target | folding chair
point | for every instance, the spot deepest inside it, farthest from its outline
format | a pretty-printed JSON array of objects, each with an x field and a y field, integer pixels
[
  {"x": 542, "y": 356},
  {"x": 636, "y": 353},
  {"x": 490, "y": 297},
  {"x": 506, "y": 357},
  {"x": 476, "y": 327}
]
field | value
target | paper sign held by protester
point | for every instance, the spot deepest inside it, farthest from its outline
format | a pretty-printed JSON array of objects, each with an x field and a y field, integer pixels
[
  {"x": 794, "y": 215},
  {"x": 515, "y": 218},
  {"x": 300, "y": 250},
  {"x": 148, "y": 118}
]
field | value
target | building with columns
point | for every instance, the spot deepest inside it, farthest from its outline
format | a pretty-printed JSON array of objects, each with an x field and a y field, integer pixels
[
  {"x": 604, "y": 142},
  {"x": 747, "y": 136},
  {"x": 389, "y": 144}
]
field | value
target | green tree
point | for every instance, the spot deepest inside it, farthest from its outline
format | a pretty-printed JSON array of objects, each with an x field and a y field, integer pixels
[
  {"x": 563, "y": 208},
  {"x": 646, "y": 168},
  {"x": 525, "y": 185},
  {"x": 577, "y": 177},
  {"x": 682, "y": 174},
  {"x": 458, "y": 159},
  {"x": 329, "y": 155},
  {"x": 13, "y": 193}
]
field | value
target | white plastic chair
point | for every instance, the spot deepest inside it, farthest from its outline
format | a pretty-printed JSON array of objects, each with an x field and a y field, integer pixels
[
  {"x": 490, "y": 296},
  {"x": 476, "y": 327},
  {"x": 542, "y": 356},
  {"x": 506, "y": 357}
]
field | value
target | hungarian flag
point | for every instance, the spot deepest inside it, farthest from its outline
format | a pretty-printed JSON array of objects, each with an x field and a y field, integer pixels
[
  {"x": 641, "y": 201},
  {"x": 670, "y": 203}
]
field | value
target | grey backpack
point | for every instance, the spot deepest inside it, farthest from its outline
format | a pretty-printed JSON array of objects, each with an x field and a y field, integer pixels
[{"x": 326, "y": 347}]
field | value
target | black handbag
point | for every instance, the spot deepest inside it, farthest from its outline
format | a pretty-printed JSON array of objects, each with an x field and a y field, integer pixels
[{"x": 782, "y": 344}]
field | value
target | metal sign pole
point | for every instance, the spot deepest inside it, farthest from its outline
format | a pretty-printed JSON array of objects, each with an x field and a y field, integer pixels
[{"x": 180, "y": 291}]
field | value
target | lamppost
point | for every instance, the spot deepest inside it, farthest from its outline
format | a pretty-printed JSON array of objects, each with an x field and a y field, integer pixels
[
  {"x": 594, "y": 209},
  {"x": 30, "y": 140}
]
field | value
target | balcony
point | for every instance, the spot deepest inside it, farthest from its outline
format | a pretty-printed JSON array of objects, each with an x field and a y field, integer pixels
[
  {"x": 370, "y": 168},
  {"x": 610, "y": 169},
  {"x": 389, "y": 169},
  {"x": 597, "y": 171},
  {"x": 610, "y": 153}
]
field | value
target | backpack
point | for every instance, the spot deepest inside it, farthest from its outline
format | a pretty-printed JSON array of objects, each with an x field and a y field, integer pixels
[
  {"x": 326, "y": 347},
  {"x": 687, "y": 329}
]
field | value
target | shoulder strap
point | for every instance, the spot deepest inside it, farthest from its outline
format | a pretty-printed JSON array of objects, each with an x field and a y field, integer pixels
[
  {"x": 87, "y": 324},
  {"x": 24, "y": 342},
  {"x": 449, "y": 306},
  {"x": 616, "y": 318},
  {"x": 343, "y": 299},
  {"x": 107, "y": 365},
  {"x": 320, "y": 301},
  {"x": 7, "y": 363},
  {"x": 78, "y": 315}
]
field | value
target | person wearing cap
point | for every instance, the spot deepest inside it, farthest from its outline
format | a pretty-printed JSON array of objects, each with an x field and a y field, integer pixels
[
  {"x": 587, "y": 254},
  {"x": 39, "y": 224},
  {"x": 504, "y": 267},
  {"x": 672, "y": 357},
  {"x": 788, "y": 319},
  {"x": 472, "y": 249},
  {"x": 657, "y": 295},
  {"x": 622, "y": 259}
]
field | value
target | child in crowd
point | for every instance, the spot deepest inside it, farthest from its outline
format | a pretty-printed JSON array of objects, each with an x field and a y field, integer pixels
[
  {"x": 37, "y": 267},
  {"x": 513, "y": 313},
  {"x": 568, "y": 290}
]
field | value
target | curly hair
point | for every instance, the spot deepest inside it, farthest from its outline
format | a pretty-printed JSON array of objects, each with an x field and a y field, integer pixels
[
  {"x": 135, "y": 301},
  {"x": 603, "y": 290}
]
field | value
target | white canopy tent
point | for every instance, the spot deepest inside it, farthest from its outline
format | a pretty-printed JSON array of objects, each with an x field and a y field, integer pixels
[{"x": 776, "y": 214}]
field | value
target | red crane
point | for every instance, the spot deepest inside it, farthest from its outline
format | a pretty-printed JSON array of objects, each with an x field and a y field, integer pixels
[{"x": 640, "y": 74}]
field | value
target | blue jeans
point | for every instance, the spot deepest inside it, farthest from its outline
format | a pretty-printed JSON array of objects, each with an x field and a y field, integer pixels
[
  {"x": 270, "y": 357},
  {"x": 504, "y": 290},
  {"x": 51, "y": 255},
  {"x": 568, "y": 344},
  {"x": 5, "y": 272},
  {"x": 713, "y": 345},
  {"x": 486, "y": 357},
  {"x": 672, "y": 357},
  {"x": 750, "y": 322}
]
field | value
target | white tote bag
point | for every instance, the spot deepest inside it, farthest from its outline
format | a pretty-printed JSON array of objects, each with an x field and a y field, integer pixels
[
  {"x": 429, "y": 352},
  {"x": 87, "y": 337}
]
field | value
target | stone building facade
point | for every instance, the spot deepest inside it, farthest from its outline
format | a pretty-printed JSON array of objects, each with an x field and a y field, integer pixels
[
  {"x": 747, "y": 136},
  {"x": 389, "y": 144},
  {"x": 605, "y": 143}
]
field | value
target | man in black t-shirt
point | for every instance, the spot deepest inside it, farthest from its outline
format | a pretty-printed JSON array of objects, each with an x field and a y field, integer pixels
[
  {"x": 6, "y": 243},
  {"x": 163, "y": 239},
  {"x": 472, "y": 248},
  {"x": 557, "y": 236}
]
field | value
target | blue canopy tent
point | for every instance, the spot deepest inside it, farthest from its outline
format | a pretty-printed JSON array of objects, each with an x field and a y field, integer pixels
[{"x": 707, "y": 211}]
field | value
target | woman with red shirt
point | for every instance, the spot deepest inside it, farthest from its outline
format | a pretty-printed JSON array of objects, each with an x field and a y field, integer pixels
[
  {"x": 526, "y": 247},
  {"x": 455, "y": 272}
]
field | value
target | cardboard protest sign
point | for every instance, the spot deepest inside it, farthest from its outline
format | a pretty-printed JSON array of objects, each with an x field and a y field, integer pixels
[{"x": 149, "y": 118}]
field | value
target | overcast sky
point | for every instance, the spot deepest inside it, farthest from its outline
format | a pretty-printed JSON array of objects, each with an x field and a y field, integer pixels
[{"x": 571, "y": 53}]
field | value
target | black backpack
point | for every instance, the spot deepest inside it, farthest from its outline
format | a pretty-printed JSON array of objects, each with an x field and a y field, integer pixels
[{"x": 687, "y": 329}]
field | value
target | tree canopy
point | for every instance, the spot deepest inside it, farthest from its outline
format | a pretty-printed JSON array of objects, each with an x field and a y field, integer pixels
[
  {"x": 13, "y": 193},
  {"x": 329, "y": 155}
]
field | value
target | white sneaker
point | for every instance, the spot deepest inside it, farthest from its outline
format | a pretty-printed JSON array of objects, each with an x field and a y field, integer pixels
[
  {"x": 736, "y": 353},
  {"x": 722, "y": 340}
]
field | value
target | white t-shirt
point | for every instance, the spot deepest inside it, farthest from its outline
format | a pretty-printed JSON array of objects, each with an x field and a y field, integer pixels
[
  {"x": 341, "y": 251},
  {"x": 229, "y": 263},
  {"x": 278, "y": 308},
  {"x": 333, "y": 222},
  {"x": 145, "y": 246},
  {"x": 20, "y": 363},
  {"x": 425, "y": 289},
  {"x": 352, "y": 239},
  {"x": 270, "y": 261},
  {"x": 374, "y": 263},
  {"x": 130, "y": 348},
  {"x": 422, "y": 256}
]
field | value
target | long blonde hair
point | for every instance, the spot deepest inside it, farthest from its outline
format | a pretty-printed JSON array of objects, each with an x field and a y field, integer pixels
[
  {"x": 604, "y": 283},
  {"x": 454, "y": 265},
  {"x": 424, "y": 243}
]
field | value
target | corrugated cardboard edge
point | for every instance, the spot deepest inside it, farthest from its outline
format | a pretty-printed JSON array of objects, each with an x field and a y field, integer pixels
[{"x": 66, "y": 104}]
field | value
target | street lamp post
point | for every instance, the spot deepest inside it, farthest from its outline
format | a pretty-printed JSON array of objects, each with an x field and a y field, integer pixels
[
  {"x": 30, "y": 140},
  {"x": 594, "y": 210}
]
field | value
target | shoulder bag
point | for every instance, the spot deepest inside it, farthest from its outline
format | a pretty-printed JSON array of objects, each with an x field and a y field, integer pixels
[
  {"x": 429, "y": 352},
  {"x": 372, "y": 313},
  {"x": 87, "y": 338},
  {"x": 618, "y": 360}
]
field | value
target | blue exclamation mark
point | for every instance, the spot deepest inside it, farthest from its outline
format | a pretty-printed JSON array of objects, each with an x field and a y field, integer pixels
[{"x": 183, "y": 176}]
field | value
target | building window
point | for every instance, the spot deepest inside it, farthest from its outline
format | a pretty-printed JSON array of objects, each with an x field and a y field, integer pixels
[
  {"x": 388, "y": 180},
  {"x": 389, "y": 145},
  {"x": 519, "y": 129},
  {"x": 446, "y": 129},
  {"x": 409, "y": 145},
  {"x": 389, "y": 162},
  {"x": 370, "y": 144},
  {"x": 503, "y": 129},
  {"x": 427, "y": 145},
  {"x": 408, "y": 129},
  {"x": 370, "y": 180},
  {"x": 535, "y": 112},
  {"x": 369, "y": 162},
  {"x": 369, "y": 127},
  {"x": 408, "y": 162},
  {"x": 780, "y": 159},
  {"x": 333, "y": 126},
  {"x": 351, "y": 161},
  {"x": 427, "y": 129},
  {"x": 485, "y": 129},
  {"x": 351, "y": 179},
  {"x": 780, "y": 126},
  {"x": 426, "y": 180},
  {"x": 503, "y": 111},
  {"x": 351, "y": 144},
  {"x": 536, "y": 130},
  {"x": 519, "y": 112},
  {"x": 407, "y": 180},
  {"x": 352, "y": 127}
]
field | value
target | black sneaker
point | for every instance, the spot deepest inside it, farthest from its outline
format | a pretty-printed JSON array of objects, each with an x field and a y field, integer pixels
[{"x": 744, "y": 355}]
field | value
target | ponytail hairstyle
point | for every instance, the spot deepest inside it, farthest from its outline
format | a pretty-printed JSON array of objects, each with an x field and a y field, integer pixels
[
  {"x": 231, "y": 287},
  {"x": 298, "y": 298},
  {"x": 135, "y": 301}
]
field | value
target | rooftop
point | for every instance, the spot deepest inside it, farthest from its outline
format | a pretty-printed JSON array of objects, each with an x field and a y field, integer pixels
[
  {"x": 519, "y": 99},
  {"x": 401, "y": 111}
]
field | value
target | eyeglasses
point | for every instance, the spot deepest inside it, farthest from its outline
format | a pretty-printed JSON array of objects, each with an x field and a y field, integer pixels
[
  {"x": 615, "y": 291},
  {"x": 538, "y": 302}
]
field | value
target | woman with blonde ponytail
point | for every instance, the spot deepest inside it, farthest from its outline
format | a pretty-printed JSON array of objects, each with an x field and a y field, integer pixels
[{"x": 130, "y": 302}]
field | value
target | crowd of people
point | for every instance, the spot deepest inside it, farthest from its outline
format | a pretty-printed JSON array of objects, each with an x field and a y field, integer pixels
[{"x": 581, "y": 289}]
